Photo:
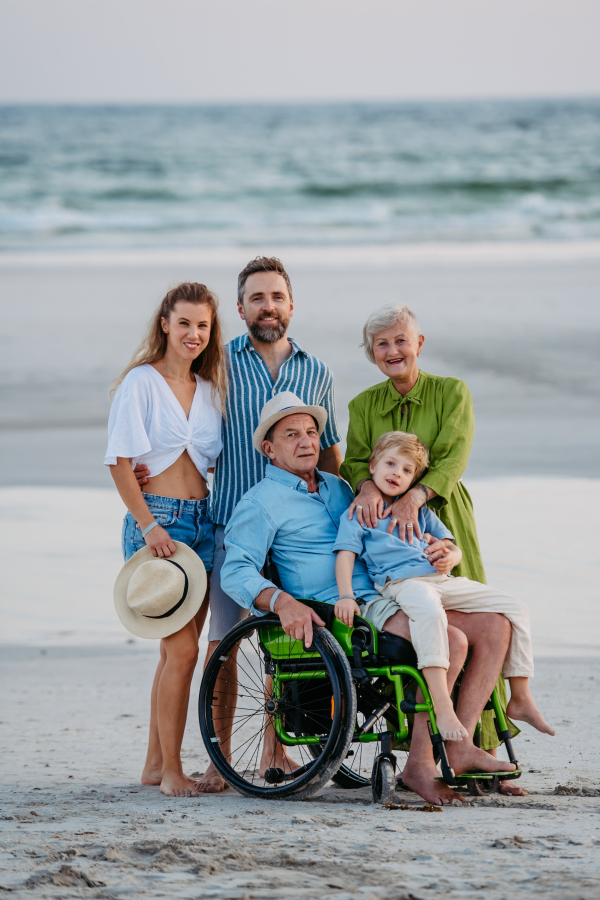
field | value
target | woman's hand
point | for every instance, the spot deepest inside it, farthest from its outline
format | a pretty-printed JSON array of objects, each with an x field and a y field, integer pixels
[
  {"x": 405, "y": 512},
  {"x": 160, "y": 542},
  {"x": 368, "y": 505}
]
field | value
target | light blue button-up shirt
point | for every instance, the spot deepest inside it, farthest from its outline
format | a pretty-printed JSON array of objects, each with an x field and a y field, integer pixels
[
  {"x": 240, "y": 467},
  {"x": 385, "y": 555},
  {"x": 299, "y": 528}
]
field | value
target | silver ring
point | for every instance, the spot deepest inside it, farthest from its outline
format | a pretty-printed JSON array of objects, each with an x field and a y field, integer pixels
[
  {"x": 409, "y": 525},
  {"x": 358, "y": 507},
  {"x": 395, "y": 521}
]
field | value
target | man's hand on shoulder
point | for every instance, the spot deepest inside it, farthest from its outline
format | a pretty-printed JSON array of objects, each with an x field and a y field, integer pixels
[
  {"x": 141, "y": 472},
  {"x": 296, "y": 618}
]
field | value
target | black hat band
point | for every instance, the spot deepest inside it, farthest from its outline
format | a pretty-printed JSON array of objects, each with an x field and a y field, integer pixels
[{"x": 177, "y": 605}]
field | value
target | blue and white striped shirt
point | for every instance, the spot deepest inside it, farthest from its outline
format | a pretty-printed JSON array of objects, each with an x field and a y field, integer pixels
[{"x": 240, "y": 467}]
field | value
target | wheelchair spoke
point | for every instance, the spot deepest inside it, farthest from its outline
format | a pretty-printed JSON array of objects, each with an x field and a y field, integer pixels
[
  {"x": 257, "y": 679},
  {"x": 242, "y": 748}
]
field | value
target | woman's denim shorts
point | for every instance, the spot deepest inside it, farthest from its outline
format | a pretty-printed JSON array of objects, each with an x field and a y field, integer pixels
[{"x": 185, "y": 520}]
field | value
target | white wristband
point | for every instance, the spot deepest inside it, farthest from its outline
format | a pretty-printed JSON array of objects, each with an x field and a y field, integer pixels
[
  {"x": 149, "y": 528},
  {"x": 274, "y": 598}
]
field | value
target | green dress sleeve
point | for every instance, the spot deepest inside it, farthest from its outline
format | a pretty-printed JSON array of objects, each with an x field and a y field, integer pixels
[
  {"x": 449, "y": 452},
  {"x": 358, "y": 447}
]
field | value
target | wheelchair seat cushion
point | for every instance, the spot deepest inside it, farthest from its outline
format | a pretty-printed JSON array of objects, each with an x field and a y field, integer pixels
[{"x": 396, "y": 649}]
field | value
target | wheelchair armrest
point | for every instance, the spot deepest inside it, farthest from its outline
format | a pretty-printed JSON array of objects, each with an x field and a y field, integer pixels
[{"x": 323, "y": 610}]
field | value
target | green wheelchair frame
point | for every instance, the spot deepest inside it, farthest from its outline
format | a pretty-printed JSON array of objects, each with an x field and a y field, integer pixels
[{"x": 287, "y": 661}]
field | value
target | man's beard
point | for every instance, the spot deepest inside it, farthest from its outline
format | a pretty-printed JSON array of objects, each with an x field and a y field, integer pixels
[{"x": 270, "y": 333}]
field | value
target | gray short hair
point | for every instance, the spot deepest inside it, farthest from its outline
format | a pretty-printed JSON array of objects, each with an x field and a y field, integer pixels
[{"x": 383, "y": 318}]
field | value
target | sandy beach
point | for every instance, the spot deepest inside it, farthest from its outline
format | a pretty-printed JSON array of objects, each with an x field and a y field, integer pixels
[
  {"x": 63, "y": 555},
  {"x": 74, "y": 820}
]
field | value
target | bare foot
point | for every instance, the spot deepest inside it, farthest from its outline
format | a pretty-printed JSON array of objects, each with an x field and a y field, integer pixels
[
  {"x": 154, "y": 776},
  {"x": 527, "y": 711},
  {"x": 464, "y": 756},
  {"x": 151, "y": 775},
  {"x": 175, "y": 784},
  {"x": 511, "y": 787},
  {"x": 422, "y": 780},
  {"x": 450, "y": 726},
  {"x": 211, "y": 782},
  {"x": 276, "y": 758}
]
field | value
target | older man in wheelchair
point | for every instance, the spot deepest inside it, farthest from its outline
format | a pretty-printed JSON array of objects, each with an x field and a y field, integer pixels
[{"x": 318, "y": 699}]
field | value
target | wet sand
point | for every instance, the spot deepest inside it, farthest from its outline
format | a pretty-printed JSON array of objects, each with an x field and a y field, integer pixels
[
  {"x": 62, "y": 555},
  {"x": 519, "y": 324}
]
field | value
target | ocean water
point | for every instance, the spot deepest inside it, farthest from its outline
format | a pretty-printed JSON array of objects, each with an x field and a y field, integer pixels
[
  {"x": 102, "y": 209},
  {"x": 117, "y": 178}
]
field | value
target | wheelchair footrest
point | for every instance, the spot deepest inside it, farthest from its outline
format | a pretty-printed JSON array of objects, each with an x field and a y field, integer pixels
[{"x": 470, "y": 776}]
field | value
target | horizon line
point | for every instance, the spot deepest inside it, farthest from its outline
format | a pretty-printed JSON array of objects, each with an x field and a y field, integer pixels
[{"x": 297, "y": 101}]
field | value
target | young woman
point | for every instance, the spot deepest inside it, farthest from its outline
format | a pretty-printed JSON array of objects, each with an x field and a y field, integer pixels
[{"x": 167, "y": 414}]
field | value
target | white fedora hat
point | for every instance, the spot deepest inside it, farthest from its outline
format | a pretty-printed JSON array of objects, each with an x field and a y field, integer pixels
[
  {"x": 280, "y": 406},
  {"x": 154, "y": 596}
]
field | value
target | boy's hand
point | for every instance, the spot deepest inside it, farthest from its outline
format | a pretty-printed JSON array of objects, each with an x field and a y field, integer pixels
[
  {"x": 436, "y": 547},
  {"x": 345, "y": 611},
  {"x": 443, "y": 555}
]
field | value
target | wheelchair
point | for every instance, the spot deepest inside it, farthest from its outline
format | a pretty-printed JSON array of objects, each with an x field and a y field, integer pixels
[{"x": 342, "y": 706}]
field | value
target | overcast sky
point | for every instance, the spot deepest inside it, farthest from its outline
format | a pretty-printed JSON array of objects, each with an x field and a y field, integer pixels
[{"x": 196, "y": 51}]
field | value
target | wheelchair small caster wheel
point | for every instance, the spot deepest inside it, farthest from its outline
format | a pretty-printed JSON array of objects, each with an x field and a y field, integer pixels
[
  {"x": 480, "y": 787},
  {"x": 383, "y": 783}
]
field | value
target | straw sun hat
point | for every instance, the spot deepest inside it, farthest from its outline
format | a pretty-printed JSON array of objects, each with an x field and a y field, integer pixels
[
  {"x": 280, "y": 406},
  {"x": 154, "y": 596}
]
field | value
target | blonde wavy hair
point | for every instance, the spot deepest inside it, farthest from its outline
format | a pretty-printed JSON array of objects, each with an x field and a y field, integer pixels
[
  {"x": 409, "y": 444},
  {"x": 211, "y": 365}
]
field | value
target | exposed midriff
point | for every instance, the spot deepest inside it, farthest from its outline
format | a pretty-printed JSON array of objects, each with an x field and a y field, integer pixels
[{"x": 182, "y": 480}]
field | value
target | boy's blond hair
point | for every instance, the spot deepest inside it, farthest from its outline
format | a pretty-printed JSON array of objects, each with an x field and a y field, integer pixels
[{"x": 408, "y": 444}]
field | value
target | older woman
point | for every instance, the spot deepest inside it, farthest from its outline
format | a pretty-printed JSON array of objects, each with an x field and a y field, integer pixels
[{"x": 440, "y": 412}]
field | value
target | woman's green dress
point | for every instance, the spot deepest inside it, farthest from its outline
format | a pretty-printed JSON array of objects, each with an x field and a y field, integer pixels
[{"x": 440, "y": 412}]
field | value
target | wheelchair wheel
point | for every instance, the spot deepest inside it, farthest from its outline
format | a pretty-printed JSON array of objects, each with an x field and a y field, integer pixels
[
  {"x": 345, "y": 777},
  {"x": 480, "y": 787},
  {"x": 383, "y": 782},
  {"x": 321, "y": 704}
]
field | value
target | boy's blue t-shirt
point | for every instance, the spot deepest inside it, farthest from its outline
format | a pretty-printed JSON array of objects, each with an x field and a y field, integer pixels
[{"x": 385, "y": 555}]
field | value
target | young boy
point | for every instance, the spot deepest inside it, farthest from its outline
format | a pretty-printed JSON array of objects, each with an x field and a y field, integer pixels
[{"x": 406, "y": 580}]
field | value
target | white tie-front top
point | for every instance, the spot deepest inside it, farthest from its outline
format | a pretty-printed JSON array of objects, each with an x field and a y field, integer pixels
[{"x": 147, "y": 424}]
